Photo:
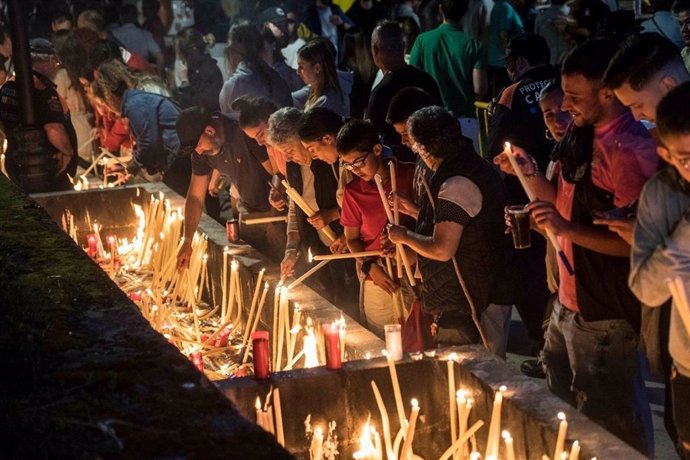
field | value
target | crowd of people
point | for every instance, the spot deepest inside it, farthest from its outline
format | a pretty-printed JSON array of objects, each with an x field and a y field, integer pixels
[{"x": 338, "y": 104}]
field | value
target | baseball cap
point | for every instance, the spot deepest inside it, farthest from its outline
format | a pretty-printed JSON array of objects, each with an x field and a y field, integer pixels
[
  {"x": 190, "y": 124},
  {"x": 41, "y": 46},
  {"x": 274, "y": 15},
  {"x": 532, "y": 47}
]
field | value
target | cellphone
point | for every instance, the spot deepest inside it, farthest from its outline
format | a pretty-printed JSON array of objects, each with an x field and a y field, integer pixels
[{"x": 624, "y": 212}]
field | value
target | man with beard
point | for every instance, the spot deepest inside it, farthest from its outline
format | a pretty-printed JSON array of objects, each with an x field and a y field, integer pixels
[{"x": 215, "y": 141}]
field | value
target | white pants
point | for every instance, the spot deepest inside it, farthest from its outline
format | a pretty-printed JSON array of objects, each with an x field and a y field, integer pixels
[{"x": 378, "y": 307}]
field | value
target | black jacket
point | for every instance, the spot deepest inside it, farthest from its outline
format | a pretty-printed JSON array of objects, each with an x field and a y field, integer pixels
[
  {"x": 205, "y": 83},
  {"x": 481, "y": 254}
]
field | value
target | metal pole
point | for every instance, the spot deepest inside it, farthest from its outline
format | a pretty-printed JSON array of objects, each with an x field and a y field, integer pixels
[{"x": 34, "y": 154}]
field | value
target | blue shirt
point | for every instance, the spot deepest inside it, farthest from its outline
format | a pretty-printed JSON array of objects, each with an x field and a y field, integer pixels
[
  {"x": 152, "y": 122},
  {"x": 504, "y": 18}
]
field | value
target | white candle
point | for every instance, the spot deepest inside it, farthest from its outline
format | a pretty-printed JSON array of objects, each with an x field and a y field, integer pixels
[
  {"x": 510, "y": 449},
  {"x": 560, "y": 441},
  {"x": 316, "y": 449},
  {"x": 385, "y": 423},
  {"x": 495, "y": 426},
  {"x": 394, "y": 341},
  {"x": 278, "y": 412},
  {"x": 575, "y": 451},
  {"x": 396, "y": 388},
  {"x": 259, "y": 413},
  {"x": 409, "y": 435},
  {"x": 348, "y": 255},
  {"x": 452, "y": 406}
]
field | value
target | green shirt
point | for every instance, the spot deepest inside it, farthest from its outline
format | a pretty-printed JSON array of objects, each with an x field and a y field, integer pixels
[{"x": 450, "y": 56}]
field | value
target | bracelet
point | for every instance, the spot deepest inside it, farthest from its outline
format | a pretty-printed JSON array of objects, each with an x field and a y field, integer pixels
[{"x": 536, "y": 168}]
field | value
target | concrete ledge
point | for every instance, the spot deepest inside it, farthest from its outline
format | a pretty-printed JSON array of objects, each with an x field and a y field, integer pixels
[
  {"x": 529, "y": 410},
  {"x": 112, "y": 209},
  {"x": 84, "y": 376}
]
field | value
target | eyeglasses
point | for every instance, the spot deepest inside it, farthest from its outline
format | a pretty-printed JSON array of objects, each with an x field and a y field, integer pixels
[{"x": 357, "y": 164}]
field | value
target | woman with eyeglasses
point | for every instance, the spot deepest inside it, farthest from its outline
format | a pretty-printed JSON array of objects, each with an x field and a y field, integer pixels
[{"x": 364, "y": 218}]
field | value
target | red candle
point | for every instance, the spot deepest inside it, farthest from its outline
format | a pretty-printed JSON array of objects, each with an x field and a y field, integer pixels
[
  {"x": 262, "y": 362},
  {"x": 197, "y": 360},
  {"x": 93, "y": 245},
  {"x": 222, "y": 339},
  {"x": 331, "y": 335}
]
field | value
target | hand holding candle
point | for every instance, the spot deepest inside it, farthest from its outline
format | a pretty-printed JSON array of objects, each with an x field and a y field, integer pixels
[{"x": 507, "y": 150}]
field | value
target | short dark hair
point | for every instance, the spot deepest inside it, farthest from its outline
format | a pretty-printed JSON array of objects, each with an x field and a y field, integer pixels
[
  {"x": 590, "y": 59},
  {"x": 406, "y": 102},
  {"x": 253, "y": 110},
  {"x": 317, "y": 122},
  {"x": 356, "y": 135},
  {"x": 437, "y": 130},
  {"x": 680, "y": 5},
  {"x": 673, "y": 112},
  {"x": 640, "y": 58},
  {"x": 453, "y": 10},
  {"x": 129, "y": 14},
  {"x": 390, "y": 36}
]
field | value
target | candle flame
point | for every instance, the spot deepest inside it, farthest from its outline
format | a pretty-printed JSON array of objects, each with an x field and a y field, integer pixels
[
  {"x": 507, "y": 147},
  {"x": 453, "y": 357},
  {"x": 310, "y": 255},
  {"x": 234, "y": 265},
  {"x": 257, "y": 404},
  {"x": 462, "y": 394},
  {"x": 561, "y": 416},
  {"x": 506, "y": 435},
  {"x": 502, "y": 388},
  {"x": 415, "y": 403},
  {"x": 266, "y": 285},
  {"x": 474, "y": 456},
  {"x": 318, "y": 431},
  {"x": 226, "y": 250}
]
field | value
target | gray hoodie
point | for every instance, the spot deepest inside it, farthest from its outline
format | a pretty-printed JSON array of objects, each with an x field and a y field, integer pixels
[{"x": 661, "y": 250}]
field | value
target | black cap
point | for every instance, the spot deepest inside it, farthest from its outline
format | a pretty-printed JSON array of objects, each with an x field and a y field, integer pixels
[
  {"x": 532, "y": 47},
  {"x": 41, "y": 46},
  {"x": 190, "y": 124},
  {"x": 274, "y": 15}
]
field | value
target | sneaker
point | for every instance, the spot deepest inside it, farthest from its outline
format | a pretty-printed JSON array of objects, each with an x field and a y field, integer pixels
[{"x": 532, "y": 368}]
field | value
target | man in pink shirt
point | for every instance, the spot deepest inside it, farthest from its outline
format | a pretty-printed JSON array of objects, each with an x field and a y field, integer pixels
[{"x": 590, "y": 356}]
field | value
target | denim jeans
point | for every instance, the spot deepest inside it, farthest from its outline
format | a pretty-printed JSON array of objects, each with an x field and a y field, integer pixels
[{"x": 594, "y": 366}]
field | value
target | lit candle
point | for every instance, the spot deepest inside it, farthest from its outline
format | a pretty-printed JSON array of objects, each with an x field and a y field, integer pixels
[
  {"x": 495, "y": 426},
  {"x": 331, "y": 335},
  {"x": 451, "y": 398},
  {"x": 93, "y": 245},
  {"x": 510, "y": 449},
  {"x": 575, "y": 451},
  {"x": 463, "y": 405},
  {"x": 316, "y": 448},
  {"x": 560, "y": 441},
  {"x": 409, "y": 435},
  {"x": 393, "y": 334}
]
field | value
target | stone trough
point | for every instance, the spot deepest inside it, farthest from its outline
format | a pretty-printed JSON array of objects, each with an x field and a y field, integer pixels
[{"x": 346, "y": 396}]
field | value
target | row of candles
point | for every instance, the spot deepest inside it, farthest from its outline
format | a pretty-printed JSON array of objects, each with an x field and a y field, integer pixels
[{"x": 146, "y": 269}]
